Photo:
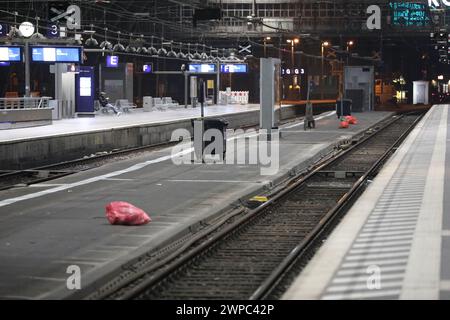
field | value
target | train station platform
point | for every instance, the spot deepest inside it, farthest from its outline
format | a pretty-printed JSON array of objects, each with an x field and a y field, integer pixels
[
  {"x": 70, "y": 139},
  {"x": 394, "y": 243},
  {"x": 47, "y": 227}
]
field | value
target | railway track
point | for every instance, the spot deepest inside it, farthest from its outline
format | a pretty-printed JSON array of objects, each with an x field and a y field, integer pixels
[
  {"x": 21, "y": 178},
  {"x": 251, "y": 256}
]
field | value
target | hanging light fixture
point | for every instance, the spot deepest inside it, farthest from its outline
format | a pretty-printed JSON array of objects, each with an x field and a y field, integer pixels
[
  {"x": 152, "y": 50},
  {"x": 142, "y": 49},
  {"x": 216, "y": 57},
  {"x": 15, "y": 32},
  {"x": 91, "y": 41},
  {"x": 171, "y": 53},
  {"x": 37, "y": 35},
  {"x": 181, "y": 55},
  {"x": 106, "y": 45},
  {"x": 204, "y": 56},
  {"x": 130, "y": 47},
  {"x": 119, "y": 47},
  {"x": 197, "y": 56},
  {"x": 189, "y": 55},
  {"x": 210, "y": 56},
  {"x": 223, "y": 58},
  {"x": 162, "y": 51}
]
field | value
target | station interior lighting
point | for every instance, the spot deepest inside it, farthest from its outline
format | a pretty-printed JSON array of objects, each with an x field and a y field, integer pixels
[
  {"x": 119, "y": 47},
  {"x": 139, "y": 45}
]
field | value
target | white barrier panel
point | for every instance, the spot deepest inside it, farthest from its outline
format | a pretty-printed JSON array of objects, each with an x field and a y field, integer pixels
[{"x": 233, "y": 97}]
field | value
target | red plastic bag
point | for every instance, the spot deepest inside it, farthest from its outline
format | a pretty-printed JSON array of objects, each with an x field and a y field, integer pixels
[
  {"x": 351, "y": 119},
  {"x": 124, "y": 213},
  {"x": 344, "y": 124}
]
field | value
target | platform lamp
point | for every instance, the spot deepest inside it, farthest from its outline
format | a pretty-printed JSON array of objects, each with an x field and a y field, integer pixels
[
  {"x": 197, "y": 55},
  {"x": 91, "y": 41},
  {"x": 15, "y": 32},
  {"x": 152, "y": 50},
  {"x": 131, "y": 47},
  {"x": 189, "y": 54},
  {"x": 181, "y": 55},
  {"x": 141, "y": 48},
  {"x": 265, "y": 45},
  {"x": 106, "y": 45},
  {"x": 162, "y": 51},
  {"x": 37, "y": 35},
  {"x": 350, "y": 44},
  {"x": 171, "y": 53},
  {"x": 216, "y": 57},
  {"x": 119, "y": 47},
  {"x": 204, "y": 56},
  {"x": 211, "y": 54},
  {"x": 324, "y": 45},
  {"x": 223, "y": 58}
]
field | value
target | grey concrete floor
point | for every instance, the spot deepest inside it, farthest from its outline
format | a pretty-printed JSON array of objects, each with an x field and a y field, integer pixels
[{"x": 48, "y": 227}]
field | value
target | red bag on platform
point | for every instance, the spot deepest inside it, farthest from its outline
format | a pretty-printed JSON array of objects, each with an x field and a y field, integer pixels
[
  {"x": 344, "y": 124},
  {"x": 351, "y": 119},
  {"x": 124, "y": 213}
]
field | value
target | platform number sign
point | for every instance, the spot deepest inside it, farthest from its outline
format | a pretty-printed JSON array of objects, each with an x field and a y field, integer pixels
[{"x": 3, "y": 30}]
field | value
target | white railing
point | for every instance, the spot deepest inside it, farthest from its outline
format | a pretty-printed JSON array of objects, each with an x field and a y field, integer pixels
[{"x": 24, "y": 103}]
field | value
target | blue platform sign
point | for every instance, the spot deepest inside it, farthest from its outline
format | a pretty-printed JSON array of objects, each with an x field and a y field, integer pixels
[
  {"x": 202, "y": 68},
  {"x": 4, "y": 29},
  {"x": 85, "y": 90},
  {"x": 147, "y": 68},
  {"x": 112, "y": 61},
  {"x": 56, "y": 54},
  {"x": 234, "y": 68}
]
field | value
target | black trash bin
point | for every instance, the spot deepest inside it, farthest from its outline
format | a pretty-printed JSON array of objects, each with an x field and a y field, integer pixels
[
  {"x": 219, "y": 124},
  {"x": 343, "y": 107}
]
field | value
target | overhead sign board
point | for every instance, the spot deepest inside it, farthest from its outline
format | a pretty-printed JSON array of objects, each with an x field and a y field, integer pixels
[
  {"x": 292, "y": 71},
  {"x": 56, "y": 54},
  {"x": 234, "y": 68},
  {"x": 4, "y": 29},
  {"x": 147, "y": 68},
  {"x": 10, "y": 54},
  {"x": 112, "y": 61},
  {"x": 202, "y": 68}
]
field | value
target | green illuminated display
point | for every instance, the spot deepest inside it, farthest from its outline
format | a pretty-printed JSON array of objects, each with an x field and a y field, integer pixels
[{"x": 407, "y": 14}]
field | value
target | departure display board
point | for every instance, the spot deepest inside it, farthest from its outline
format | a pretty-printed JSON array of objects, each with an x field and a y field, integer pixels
[
  {"x": 234, "y": 68},
  {"x": 409, "y": 14},
  {"x": 10, "y": 54},
  {"x": 56, "y": 54},
  {"x": 202, "y": 68}
]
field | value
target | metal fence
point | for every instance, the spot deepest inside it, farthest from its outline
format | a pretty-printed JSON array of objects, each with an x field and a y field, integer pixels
[{"x": 24, "y": 103}]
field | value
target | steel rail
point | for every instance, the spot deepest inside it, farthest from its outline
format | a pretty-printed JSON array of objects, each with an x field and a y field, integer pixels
[
  {"x": 210, "y": 241},
  {"x": 296, "y": 253}
]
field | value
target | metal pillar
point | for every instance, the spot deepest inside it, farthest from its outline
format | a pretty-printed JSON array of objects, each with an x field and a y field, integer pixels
[
  {"x": 27, "y": 70},
  {"x": 186, "y": 88}
]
